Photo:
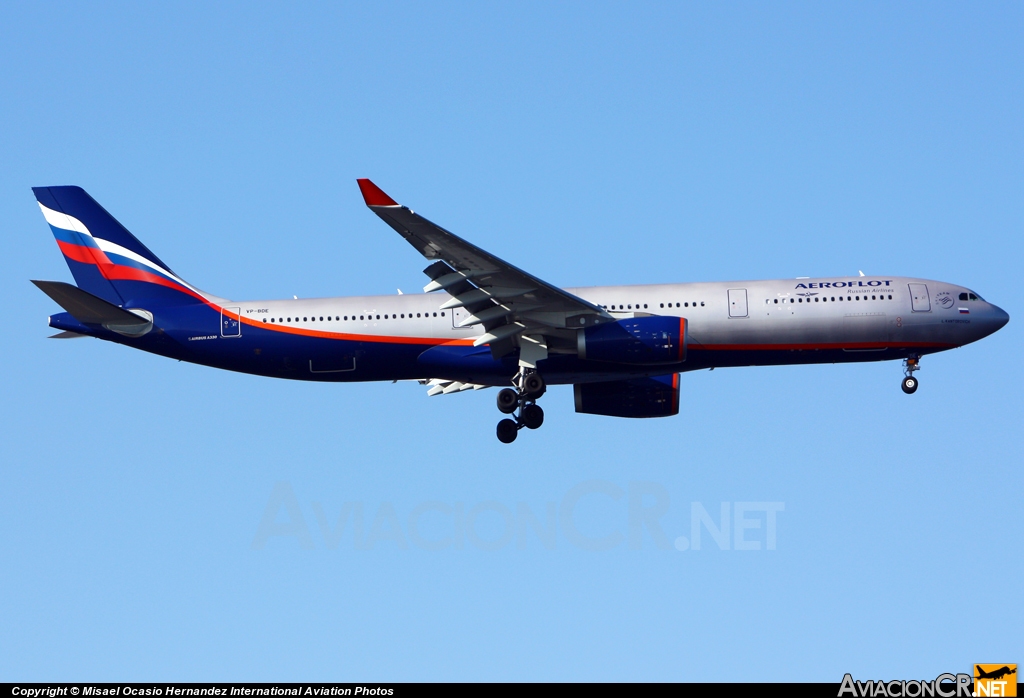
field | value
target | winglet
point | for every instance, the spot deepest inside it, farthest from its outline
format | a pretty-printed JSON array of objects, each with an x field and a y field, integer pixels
[{"x": 372, "y": 194}]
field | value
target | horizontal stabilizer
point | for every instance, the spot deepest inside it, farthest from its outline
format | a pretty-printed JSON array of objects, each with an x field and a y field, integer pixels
[
  {"x": 67, "y": 335},
  {"x": 87, "y": 308}
]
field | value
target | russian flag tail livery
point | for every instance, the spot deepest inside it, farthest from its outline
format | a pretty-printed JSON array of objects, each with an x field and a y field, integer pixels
[{"x": 106, "y": 260}]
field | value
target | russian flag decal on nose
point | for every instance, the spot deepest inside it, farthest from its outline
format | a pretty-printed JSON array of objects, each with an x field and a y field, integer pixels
[{"x": 965, "y": 311}]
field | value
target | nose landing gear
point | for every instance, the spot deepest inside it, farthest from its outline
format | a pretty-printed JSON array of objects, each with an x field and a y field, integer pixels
[
  {"x": 910, "y": 365},
  {"x": 529, "y": 387}
]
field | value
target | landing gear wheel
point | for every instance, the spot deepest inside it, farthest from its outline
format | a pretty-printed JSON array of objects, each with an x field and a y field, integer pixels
[
  {"x": 533, "y": 386},
  {"x": 508, "y": 401},
  {"x": 909, "y": 385},
  {"x": 507, "y": 431},
  {"x": 532, "y": 416}
]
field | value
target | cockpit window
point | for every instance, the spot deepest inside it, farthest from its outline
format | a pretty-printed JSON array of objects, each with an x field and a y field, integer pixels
[
  {"x": 974, "y": 297},
  {"x": 970, "y": 297},
  {"x": 963, "y": 296}
]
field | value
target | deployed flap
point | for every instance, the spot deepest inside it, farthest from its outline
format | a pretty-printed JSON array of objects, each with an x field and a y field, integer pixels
[
  {"x": 87, "y": 308},
  {"x": 482, "y": 283},
  {"x": 443, "y": 386}
]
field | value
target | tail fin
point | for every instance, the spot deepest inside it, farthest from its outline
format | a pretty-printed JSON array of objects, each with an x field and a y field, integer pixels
[{"x": 105, "y": 259}]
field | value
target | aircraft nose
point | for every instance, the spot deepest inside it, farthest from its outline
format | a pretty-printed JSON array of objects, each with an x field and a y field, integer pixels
[{"x": 999, "y": 317}]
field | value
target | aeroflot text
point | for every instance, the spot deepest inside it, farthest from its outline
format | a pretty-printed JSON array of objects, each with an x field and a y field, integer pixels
[{"x": 843, "y": 284}]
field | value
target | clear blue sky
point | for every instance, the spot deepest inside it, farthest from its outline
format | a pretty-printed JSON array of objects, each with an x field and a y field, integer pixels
[{"x": 590, "y": 143}]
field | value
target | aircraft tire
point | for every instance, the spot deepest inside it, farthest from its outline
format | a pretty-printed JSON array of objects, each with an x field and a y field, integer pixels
[
  {"x": 909, "y": 385},
  {"x": 534, "y": 386},
  {"x": 508, "y": 430},
  {"x": 508, "y": 401},
  {"x": 532, "y": 416}
]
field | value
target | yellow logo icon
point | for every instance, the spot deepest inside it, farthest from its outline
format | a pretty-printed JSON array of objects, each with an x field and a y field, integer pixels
[{"x": 995, "y": 680}]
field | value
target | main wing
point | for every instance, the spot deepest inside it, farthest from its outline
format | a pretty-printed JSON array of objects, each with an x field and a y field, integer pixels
[{"x": 508, "y": 302}]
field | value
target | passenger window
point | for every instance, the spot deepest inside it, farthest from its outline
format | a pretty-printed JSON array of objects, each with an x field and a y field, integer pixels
[
  {"x": 662, "y": 305},
  {"x": 776, "y": 301},
  {"x": 264, "y": 320}
]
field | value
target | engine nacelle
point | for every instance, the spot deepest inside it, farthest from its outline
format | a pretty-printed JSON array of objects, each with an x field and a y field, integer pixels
[
  {"x": 636, "y": 398},
  {"x": 640, "y": 340}
]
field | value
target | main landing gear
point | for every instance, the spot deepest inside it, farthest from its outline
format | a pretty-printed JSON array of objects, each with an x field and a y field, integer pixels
[
  {"x": 522, "y": 399},
  {"x": 909, "y": 366}
]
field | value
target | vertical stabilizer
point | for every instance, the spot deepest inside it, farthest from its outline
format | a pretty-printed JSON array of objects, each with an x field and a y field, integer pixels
[{"x": 105, "y": 259}]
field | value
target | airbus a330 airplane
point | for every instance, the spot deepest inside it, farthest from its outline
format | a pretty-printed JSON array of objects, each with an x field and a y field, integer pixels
[{"x": 482, "y": 322}]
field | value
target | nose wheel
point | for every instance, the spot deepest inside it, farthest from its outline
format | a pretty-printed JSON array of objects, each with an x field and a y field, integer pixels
[
  {"x": 909, "y": 382},
  {"x": 522, "y": 403}
]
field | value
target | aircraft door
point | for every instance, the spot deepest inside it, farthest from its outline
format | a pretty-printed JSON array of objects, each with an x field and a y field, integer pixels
[
  {"x": 737, "y": 302},
  {"x": 230, "y": 325},
  {"x": 919, "y": 298},
  {"x": 458, "y": 315}
]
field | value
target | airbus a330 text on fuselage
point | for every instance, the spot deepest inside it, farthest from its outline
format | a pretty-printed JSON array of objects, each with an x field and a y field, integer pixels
[{"x": 482, "y": 322}]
